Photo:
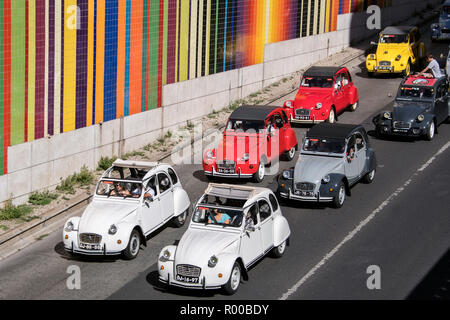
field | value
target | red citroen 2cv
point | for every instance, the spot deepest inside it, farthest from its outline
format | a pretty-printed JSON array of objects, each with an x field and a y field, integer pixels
[
  {"x": 324, "y": 93},
  {"x": 253, "y": 137}
]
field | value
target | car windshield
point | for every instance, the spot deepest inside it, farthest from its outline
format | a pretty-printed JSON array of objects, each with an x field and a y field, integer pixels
[
  {"x": 394, "y": 38},
  {"x": 245, "y": 125},
  {"x": 415, "y": 93},
  {"x": 119, "y": 189},
  {"x": 324, "y": 145},
  {"x": 317, "y": 82}
]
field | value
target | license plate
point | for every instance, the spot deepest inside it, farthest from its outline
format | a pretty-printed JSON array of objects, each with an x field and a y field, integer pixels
[
  {"x": 302, "y": 117},
  {"x": 401, "y": 130},
  {"x": 88, "y": 246},
  {"x": 226, "y": 170},
  {"x": 187, "y": 279}
]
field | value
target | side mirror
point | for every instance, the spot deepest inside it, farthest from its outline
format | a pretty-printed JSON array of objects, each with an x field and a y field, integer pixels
[
  {"x": 148, "y": 199},
  {"x": 250, "y": 229}
]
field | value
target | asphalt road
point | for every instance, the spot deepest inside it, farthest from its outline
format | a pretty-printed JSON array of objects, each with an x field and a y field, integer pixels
[{"x": 400, "y": 223}]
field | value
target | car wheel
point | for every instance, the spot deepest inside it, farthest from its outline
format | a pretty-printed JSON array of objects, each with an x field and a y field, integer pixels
[
  {"x": 232, "y": 285},
  {"x": 368, "y": 178},
  {"x": 258, "y": 176},
  {"x": 430, "y": 132},
  {"x": 354, "y": 106},
  {"x": 179, "y": 220},
  {"x": 133, "y": 246},
  {"x": 339, "y": 198},
  {"x": 370, "y": 74},
  {"x": 278, "y": 251},
  {"x": 331, "y": 116},
  {"x": 289, "y": 155}
]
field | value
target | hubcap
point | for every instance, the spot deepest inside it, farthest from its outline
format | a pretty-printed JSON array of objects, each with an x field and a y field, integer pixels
[
  {"x": 341, "y": 195},
  {"x": 235, "y": 278},
  {"x": 331, "y": 117},
  {"x": 355, "y": 105},
  {"x": 291, "y": 152},
  {"x": 134, "y": 246},
  {"x": 182, "y": 217},
  {"x": 282, "y": 247},
  {"x": 261, "y": 170},
  {"x": 371, "y": 174},
  {"x": 431, "y": 133}
]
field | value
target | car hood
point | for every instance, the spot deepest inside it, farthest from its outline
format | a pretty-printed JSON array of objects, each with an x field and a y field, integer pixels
[
  {"x": 390, "y": 52},
  {"x": 100, "y": 215},
  {"x": 234, "y": 145},
  {"x": 198, "y": 245},
  {"x": 309, "y": 98},
  {"x": 312, "y": 169},
  {"x": 408, "y": 112}
]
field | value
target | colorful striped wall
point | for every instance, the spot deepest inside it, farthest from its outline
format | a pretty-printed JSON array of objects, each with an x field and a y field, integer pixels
[{"x": 68, "y": 64}]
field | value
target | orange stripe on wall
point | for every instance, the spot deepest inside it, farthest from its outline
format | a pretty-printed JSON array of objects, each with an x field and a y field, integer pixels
[
  {"x": 137, "y": 11},
  {"x": 121, "y": 25}
]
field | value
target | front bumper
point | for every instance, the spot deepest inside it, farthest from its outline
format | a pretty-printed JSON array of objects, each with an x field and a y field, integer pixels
[
  {"x": 312, "y": 119},
  {"x": 314, "y": 198},
  {"x": 236, "y": 174},
  {"x": 106, "y": 248},
  {"x": 387, "y": 129}
]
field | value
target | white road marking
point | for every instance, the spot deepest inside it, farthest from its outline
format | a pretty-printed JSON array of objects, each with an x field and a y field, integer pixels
[{"x": 358, "y": 228}]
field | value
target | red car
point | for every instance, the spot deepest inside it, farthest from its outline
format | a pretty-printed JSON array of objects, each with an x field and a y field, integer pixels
[
  {"x": 324, "y": 93},
  {"x": 254, "y": 136}
]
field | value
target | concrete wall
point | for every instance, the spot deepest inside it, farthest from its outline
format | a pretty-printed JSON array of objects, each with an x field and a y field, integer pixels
[{"x": 40, "y": 164}]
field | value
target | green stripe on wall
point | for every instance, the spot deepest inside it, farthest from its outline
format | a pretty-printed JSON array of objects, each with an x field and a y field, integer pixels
[
  {"x": 1, "y": 86},
  {"x": 164, "y": 53},
  {"x": 18, "y": 72},
  {"x": 153, "y": 56}
]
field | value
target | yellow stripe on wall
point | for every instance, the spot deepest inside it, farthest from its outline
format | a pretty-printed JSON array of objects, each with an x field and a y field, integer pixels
[
  {"x": 31, "y": 67},
  {"x": 184, "y": 39},
  {"x": 70, "y": 65}
]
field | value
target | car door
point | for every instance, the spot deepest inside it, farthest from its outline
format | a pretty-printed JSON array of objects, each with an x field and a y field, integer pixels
[
  {"x": 339, "y": 98},
  {"x": 279, "y": 143},
  {"x": 361, "y": 153},
  {"x": 345, "y": 89},
  {"x": 351, "y": 167},
  {"x": 272, "y": 135},
  {"x": 265, "y": 224},
  {"x": 251, "y": 247},
  {"x": 151, "y": 208},
  {"x": 441, "y": 102},
  {"x": 165, "y": 197}
]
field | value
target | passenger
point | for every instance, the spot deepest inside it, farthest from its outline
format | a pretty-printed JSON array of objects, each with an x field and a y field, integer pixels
[
  {"x": 219, "y": 217},
  {"x": 136, "y": 193},
  {"x": 433, "y": 65},
  {"x": 351, "y": 154}
]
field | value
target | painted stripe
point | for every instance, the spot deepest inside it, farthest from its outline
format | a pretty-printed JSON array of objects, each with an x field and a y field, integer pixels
[
  {"x": 31, "y": 52},
  {"x": 127, "y": 60},
  {"x": 40, "y": 61},
  {"x": 171, "y": 40},
  {"x": 110, "y": 60},
  {"x": 136, "y": 56},
  {"x": 90, "y": 63},
  {"x": 192, "y": 60},
  {"x": 154, "y": 52},
  {"x": 99, "y": 61},
  {"x": 200, "y": 39},
  {"x": 164, "y": 29},
  {"x": 51, "y": 66},
  {"x": 208, "y": 35},
  {"x": 26, "y": 70},
  {"x": 58, "y": 69},
  {"x": 6, "y": 82},
  {"x": 144, "y": 85},
  {"x": 61, "y": 106},
  {"x": 17, "y": 80},
  {"x": 81, "y": 64},
  {"x": 184, "y": 41},
  {"x": 121, "y": 35},
  {"x": 225, "y": 37},
  {"x": 2, "y": 72},
  {"x": 161, "y": 46},
  {"x": 46, "y": 22},
  {"x": 94, "y": 80},
  {"x": 70, "y": 65}
]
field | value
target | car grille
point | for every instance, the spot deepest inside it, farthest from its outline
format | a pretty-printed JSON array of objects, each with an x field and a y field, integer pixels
[
  {"x": 226, "y": 164},
  {"x": 90, "y": 238},
  {"x": 305, "y": 186},
  {"x": 385, "y": 63},
  {"x": 402, "y": 125},
  {"x": 302, "y": 112},
  {"x": 188, "y": 270}
]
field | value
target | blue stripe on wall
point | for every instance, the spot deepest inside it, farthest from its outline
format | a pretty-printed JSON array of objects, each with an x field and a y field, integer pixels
[
  {"x": 110, "y": 85},
  {"x": 127, "y": 61}
]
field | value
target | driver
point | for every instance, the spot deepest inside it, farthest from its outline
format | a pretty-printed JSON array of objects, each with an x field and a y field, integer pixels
[
  {"x": 119, "y": 190},
  {"x": 218, "y": 217},
  {"x": 351, "y": 154}
]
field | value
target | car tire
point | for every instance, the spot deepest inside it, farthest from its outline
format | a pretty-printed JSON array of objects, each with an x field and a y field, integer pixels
[
  {"x": 431, "y": 131},
  {"x": 368, "y": 178},
  {"x": 134, "y": 243},
  {"x": 258, "y": 176},
  {"x": 354, "y": 106},
  {"x": 339, "y": 198},
  {"x": 332, "y": 116},
  {"x": 289, "y": 155},
  {"x": 407, "y": 70},
  {"x": 180, "y": 220},
  {"x": 278, "y": 251},
  {"x": 233, "y": 282},
  {"x": 370, "y": 74}
]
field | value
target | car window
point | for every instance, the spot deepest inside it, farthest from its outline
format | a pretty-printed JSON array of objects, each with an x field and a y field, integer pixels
[
  {"x": 351, "y": 148},
  {"x": 273, "y": 202},
  {"x": 345, "y": 81},
  {"x": 278, "y": 121},
  {"x": 338, "y": 82},
  {"x": 285, "y": 118},
  {"x": 264, "y": 210},
  {"x": 151, "y": 186},
  {"x": 253, "y": 212},
  {"x": 163, "y": 182},
  {"x": 360, "y": 144},
  {"x": 173, "y": 176}
]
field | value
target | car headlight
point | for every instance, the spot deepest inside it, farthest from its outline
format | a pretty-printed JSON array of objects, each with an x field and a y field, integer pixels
[
  {"x": 287, "y": 174},
  {"x": 288, "y": 104},
  {"x": 112, "y": 229},
  {"x": 372, "y": 56},
  {"x": 69, "y": 226},
  {"x": 326, "y": 179},
  {"x": 420, "y": 118},
  {"x": 209, "y": 154},
  {"x": 318, "y": 105},
  {"x": 166, "y": 254},
  {"x": 386, "y": 115},
  {"x": 245, "y": 157},
  {"x": 397, "y": 58},
  {"x": 213, "y": 261}
]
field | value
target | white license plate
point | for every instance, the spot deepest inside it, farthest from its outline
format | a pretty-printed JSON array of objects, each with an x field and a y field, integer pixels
[
  {"x": 88, "y": 246},
  {"x": 226, "y": 170},
  {"x": 401, "y": 130},
  {"x": 187, "y": 279},
  {"x": 302, "y": 117}
]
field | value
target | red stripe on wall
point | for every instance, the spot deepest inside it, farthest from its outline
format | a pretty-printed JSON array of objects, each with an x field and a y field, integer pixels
[
  {"x": 40, "y": 70},
  {"x": 6, "y": 83},
  {"x": 160, "y": 51}
]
